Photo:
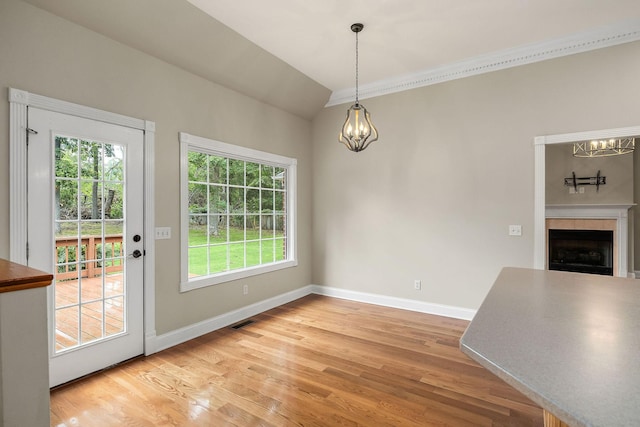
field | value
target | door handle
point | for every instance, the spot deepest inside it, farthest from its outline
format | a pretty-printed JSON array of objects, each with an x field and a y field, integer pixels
[{"x": 136, "y": 254}]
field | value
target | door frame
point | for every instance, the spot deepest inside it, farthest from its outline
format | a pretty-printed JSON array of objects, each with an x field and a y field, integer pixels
[
  {"x": 19, "y": 101},
  {"x": 539, "y": 203}
]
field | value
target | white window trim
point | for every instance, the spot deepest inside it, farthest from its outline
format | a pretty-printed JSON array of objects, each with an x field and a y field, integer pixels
[{"x": 222, "y": 149}]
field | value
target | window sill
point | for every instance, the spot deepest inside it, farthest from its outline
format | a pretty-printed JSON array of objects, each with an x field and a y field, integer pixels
[{"x": 203, "y": 282}]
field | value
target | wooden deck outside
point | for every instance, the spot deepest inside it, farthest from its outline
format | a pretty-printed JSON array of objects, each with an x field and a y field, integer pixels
[
  {"x": 82, "y": 300},
  {"x": 90, "y": 308}
]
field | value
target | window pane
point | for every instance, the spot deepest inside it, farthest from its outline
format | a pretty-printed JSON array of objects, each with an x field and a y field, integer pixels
[
  {"x": 91, "y": 232},
  {"x": 280, "y": 175},
  {"x": 253, "y": 174},
  {"x": 267, "y": 201},
  {"x": 66, "y": 205},
  {"x": 197, "y": 166},
  {"x": 253, "y": 227},
  {"x": 91, "y": 160},
  {"x": 66, "y": 157},
  {"x": 91, "y": 321},
  {"x": 115, "y": 228},
  {"x": 253, "y": 253},
  {"x": 113, "y": 162},
  {"x": 280, "y": 225},
  {"x": 217, "y": 199},
  {"x": 198, "y": 262},
  {"x": 236, "y": 229},
  {"x": 280, "y": 252},
  {"x": 91, "y": 199},
  {"x": 253, "y": 201},
  {"x": 197, "y": 198},
  {"x": 267, "y": 251},
  {"x": 91, "y": 281},
  {"x": 268, "y": 226},
  {"x": 267, "y": 177},
  {"x": 67, "y": 327},
  {"x": 236, "y": 200},
  {"x": 279, "y": 200},
  {"x": 236, "y": 256},
  {"x": 217, "y": 170},
  {"x": 218, "y": 229},
  {"x": 113, "y": 200},
  {"x": 197, "y": 230},
  {"x": 113, "y": 285},
  {"x": 218, "y": 259},
  {"x": 236, "y": 172},
  {"x": 114, "y": 315},
  {"x": 67, "y": 292}
]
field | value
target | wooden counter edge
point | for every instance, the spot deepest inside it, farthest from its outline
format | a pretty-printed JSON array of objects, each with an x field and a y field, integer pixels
[{"x": 18, "y": 277}]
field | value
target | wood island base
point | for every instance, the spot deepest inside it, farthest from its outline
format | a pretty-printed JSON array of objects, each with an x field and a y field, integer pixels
[{"x": 550, "y": 420}]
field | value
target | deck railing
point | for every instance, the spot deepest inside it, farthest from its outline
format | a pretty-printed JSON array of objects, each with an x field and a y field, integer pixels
[{"x": 95, "y": 253}]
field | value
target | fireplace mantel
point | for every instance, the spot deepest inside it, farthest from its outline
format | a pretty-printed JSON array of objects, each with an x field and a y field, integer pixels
[
  {"x": 619, "y": 213},
  {"x": 587, "y": 211}
]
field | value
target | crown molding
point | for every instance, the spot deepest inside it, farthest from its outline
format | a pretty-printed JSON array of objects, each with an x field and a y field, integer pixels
[{"x": 578, "y": 43}]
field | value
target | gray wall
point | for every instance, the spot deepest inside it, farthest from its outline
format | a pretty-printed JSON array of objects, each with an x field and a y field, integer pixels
[
  {"x": 453, "y": 168},
  {"x": 559, "y": 164},
  {"x": 49, "y": 56}
]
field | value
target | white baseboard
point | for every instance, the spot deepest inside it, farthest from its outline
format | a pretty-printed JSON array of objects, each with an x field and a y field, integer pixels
[
  {"x": 164, "y": 341},
  {"x": 635, "y": 275},
  {"x": 405, "y": 304},
  {"x": 190, "y": 332}
]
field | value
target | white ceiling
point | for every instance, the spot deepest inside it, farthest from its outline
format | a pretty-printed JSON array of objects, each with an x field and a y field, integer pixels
[
  {"x": 284, "y": 51},
  {"x": 404, "y": 37}
]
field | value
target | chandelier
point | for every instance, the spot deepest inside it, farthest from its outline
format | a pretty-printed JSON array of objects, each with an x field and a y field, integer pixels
[
  {"x": 604, "y": 147},
  {"x": 358, "y": 131}
]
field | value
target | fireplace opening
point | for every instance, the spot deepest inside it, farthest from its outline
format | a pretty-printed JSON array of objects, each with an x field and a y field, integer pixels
[{"x": 582, "y": 251}]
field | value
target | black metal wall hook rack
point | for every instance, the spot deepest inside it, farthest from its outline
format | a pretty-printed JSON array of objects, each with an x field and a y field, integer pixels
[{"x": 597, "y": 180}]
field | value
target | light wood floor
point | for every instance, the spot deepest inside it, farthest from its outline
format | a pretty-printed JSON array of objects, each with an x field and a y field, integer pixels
[{"x": 317, "y": 361}]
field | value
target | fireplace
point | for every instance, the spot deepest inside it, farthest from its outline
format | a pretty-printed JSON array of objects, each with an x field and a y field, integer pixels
[
  {"x": 611, "y": 218},
  {"x": 582, "y": 251}
]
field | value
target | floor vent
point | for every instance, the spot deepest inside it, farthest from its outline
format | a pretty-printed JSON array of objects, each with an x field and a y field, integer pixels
[{"x": 242, "y": 324}]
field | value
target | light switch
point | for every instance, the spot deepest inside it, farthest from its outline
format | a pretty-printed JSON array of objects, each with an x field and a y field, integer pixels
[{"x": 163, "y": 233}]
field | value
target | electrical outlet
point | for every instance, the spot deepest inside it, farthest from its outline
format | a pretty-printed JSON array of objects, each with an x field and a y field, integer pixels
[
  {"x": 245, "y": 289},
  {"x": 515, "y": 230},
  {"x": 417, "y": 285},
  {"x": 163, "y": 233}
]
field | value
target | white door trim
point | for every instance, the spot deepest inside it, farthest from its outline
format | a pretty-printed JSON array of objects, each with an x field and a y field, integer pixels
[
  {"x": 539, "y": 241},
  {"x": 19, "y": 101}
]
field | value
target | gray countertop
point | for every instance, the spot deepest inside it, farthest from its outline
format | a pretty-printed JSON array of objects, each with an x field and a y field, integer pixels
[{"x": 568, "y": 341}]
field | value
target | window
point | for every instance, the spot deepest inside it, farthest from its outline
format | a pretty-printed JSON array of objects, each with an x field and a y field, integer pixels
[{"x": 237, "y": 209}]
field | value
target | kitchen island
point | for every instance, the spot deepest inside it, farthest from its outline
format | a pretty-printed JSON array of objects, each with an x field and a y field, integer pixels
[
  {"x": 568, "y": 341},
  {"x": 24, "y": 355}
]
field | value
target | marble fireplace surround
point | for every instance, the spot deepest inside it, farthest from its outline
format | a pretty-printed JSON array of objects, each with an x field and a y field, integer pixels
[{"x": 597, "y": 217}]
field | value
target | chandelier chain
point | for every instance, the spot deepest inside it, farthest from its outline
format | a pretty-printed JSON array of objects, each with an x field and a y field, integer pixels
[{"x": 357, "y": 68}]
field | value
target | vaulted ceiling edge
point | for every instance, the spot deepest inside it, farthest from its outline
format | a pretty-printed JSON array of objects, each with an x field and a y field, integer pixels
[{"x": 494, "y": 61}]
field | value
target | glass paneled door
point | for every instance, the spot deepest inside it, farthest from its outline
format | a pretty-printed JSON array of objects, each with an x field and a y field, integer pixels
[{"x": 85, "y": 226}]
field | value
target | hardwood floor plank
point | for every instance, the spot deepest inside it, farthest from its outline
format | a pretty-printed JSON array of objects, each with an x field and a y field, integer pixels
[{"x": 317, "y": 361}]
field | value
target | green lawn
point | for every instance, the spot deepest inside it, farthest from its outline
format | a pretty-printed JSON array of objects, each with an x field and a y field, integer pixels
[
  {"x": 89, "y": 228},
  {"x": 207, "y": 257},
  {"x": 225, "y": 256}
]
